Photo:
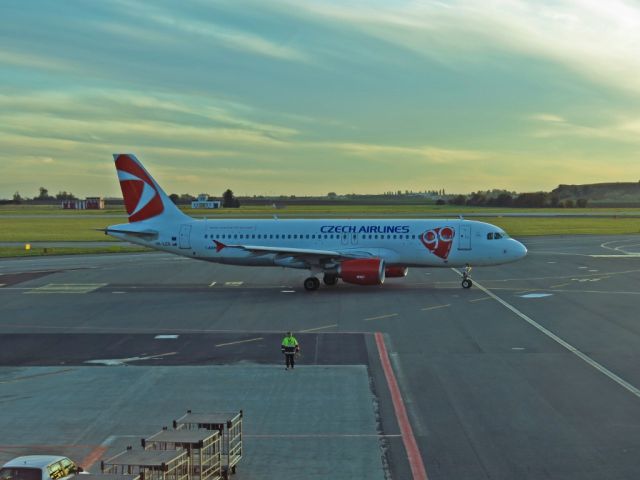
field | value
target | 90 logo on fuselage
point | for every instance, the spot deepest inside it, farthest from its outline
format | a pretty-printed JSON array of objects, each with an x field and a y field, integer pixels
[{"x": 438, "y": 241}]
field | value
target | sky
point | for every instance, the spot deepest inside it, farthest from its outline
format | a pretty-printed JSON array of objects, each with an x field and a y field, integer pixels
[{"x": 306, "y": 97}]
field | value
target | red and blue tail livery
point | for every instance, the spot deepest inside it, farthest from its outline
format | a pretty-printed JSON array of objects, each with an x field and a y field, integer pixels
[{"x": 361, "y": 252}]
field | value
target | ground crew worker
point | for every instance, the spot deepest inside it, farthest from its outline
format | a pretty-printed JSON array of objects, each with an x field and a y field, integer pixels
[{"x": 290, "y": 347}]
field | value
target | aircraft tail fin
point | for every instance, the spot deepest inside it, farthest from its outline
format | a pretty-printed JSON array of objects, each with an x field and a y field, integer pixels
[{"x": 143, "y": 197}]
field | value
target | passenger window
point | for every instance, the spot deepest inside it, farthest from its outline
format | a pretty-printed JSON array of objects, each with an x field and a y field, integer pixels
[
  {"x": 288, "y": 236},
  {"x": 490, "y": 236},
  {"x": 206, "y": 236}
]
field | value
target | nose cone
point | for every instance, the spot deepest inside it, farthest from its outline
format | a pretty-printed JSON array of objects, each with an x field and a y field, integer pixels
[{"x": 521, "y": 250}]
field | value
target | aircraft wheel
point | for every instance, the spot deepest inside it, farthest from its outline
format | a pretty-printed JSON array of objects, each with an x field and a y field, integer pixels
[
  {"x": 330, "y": 279},
  {"x": 466, "y": 283},
  {"x": 311, "y": 283}
]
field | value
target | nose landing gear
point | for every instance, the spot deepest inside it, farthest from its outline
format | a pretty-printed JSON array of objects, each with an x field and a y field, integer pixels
[{"x": 466, "y": 276}]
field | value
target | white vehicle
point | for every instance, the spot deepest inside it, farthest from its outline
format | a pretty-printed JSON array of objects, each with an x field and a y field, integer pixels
[
  {"x": 362, "y": 252},
  {"x": 39, "y": 467}
]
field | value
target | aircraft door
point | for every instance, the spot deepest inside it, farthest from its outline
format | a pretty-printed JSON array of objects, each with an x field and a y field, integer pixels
[
  {"x": 354, "y": 239},
  {"x": 345, "y": 239},
  {"x": 464, "y": 241},
  {"x": 185, "y": 236}
]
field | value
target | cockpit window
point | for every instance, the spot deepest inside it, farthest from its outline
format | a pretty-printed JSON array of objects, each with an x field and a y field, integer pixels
[
  {"x": 490, "y": 236},
  {"x": 497, "y": 236}
]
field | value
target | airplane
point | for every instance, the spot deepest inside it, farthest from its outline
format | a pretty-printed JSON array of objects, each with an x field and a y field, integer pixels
[{"x": 362, "y": 252}]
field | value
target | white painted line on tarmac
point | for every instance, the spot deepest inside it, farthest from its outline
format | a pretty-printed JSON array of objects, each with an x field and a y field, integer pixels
[
  {"x": 62, "y": 288},
  {"x": 325, "y": 435},
  {"x": 435, "y": 307},
  {"x": 585, "y": 358},
  {"x": 112, "y": 362},
  {"x": 480, "y": 299},
  {"x": 166, "y": 337},
  {"x": 2, "y": 285},
  {"x": 381, "y": 317},
  {"x": 118, "y": 292},
  {"x": 240, "y": 341},
  {"x": 536, "y": 295},
  {"x": 233, "y": 284},
  {"x": 318, "y": 328},
  {"x": 212, "y": 284},
  {"x": 625, "y": 255},
  {"x": 287, "y": 291}
]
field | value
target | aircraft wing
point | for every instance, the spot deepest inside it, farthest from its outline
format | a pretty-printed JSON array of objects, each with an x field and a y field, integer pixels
[{"x": 309, "y": 255}]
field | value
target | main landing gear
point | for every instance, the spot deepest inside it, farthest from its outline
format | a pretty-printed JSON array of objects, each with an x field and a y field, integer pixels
[
  {"x": 330, "y": 279},
  {"x": 466, "y": 277},
  {"x": 311, "y": 283}
]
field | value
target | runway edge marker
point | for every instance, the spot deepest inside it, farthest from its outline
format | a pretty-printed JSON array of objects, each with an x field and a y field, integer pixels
[{"x": 411, "y": 446}]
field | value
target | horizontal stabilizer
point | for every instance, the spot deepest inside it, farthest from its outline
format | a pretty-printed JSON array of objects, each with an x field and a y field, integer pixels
[{"x": 146, "y": 234}]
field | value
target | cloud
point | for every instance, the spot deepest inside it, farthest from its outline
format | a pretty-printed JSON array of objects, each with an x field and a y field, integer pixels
[
  {"x": 31, "y": 60},
  {"x": 617, "y": 129},
  {"x": 234, "y": 39},
  {"x": 597, "y": 40},
  {"x": 391, "y": 153}
]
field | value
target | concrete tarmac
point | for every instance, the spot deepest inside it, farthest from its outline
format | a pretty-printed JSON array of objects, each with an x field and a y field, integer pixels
[{"x": 532, "y": 373}]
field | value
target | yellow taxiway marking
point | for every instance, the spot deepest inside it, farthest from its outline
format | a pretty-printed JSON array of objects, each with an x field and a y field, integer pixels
[
  {"x": 240, "y": 341},
  {"x": 380, "y": 317},
  {"x": 436, "y": 307},
  {"x": 480, "y": 299},
  {"x": 318, "y": 328},
  {"x": 67, "y": 288}
]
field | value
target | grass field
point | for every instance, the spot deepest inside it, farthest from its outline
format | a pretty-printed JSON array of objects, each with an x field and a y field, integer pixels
[
  {"x": 50, "y": 225},
  {"x": 10, "y": 252}
]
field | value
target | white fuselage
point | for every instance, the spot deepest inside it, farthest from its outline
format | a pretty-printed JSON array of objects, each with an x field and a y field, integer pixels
[{"x": 406, "y": 242}]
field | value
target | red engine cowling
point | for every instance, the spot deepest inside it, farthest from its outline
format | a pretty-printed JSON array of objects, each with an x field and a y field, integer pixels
[
  {"x": 396, "y": 271},
  {"x": 362, "y": 272}
]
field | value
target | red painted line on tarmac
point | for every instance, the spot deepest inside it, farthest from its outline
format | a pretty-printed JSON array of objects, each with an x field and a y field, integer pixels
[
  {"x": 409, "y": 441},
  {"x": 93, "y": 457}
]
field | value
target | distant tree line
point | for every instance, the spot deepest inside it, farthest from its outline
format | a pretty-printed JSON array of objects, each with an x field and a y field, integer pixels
[
  {"x": 228, "y": 199},
  {"x": 42, "y": 197},
  {"x": 512, "y": 199}
]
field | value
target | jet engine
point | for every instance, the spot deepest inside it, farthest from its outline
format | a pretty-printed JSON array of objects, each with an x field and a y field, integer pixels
[
  {"x": 396, "y": 271},
  {"x": 369, "y": 271}
]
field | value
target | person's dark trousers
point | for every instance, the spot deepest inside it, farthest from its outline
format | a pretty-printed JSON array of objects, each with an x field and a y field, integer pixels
[{"x": 290, "y": 359}]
